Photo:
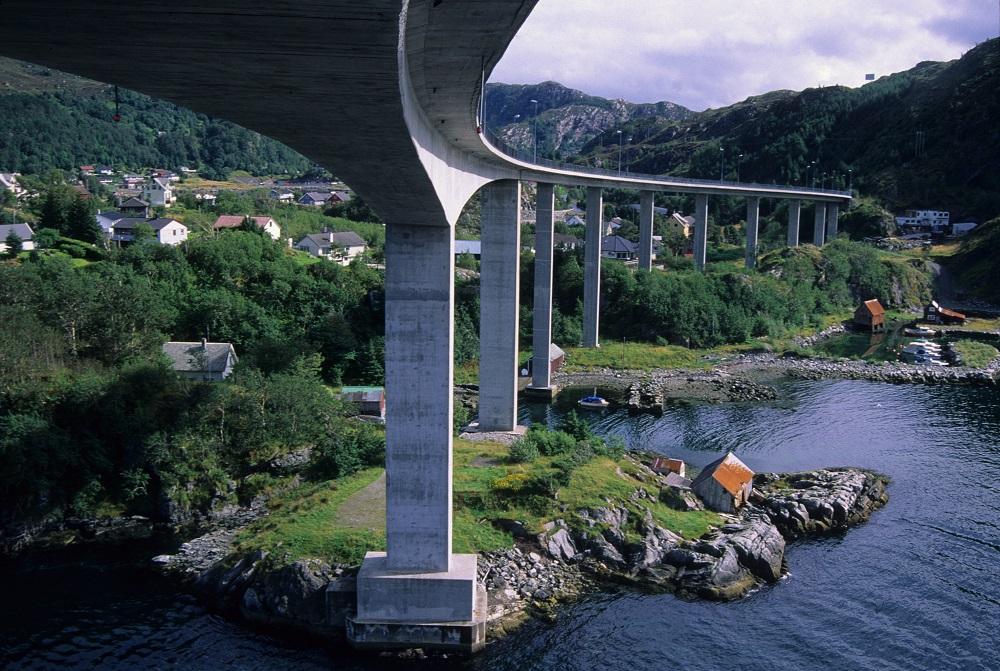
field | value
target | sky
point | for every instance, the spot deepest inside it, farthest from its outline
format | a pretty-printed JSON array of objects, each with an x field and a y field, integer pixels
[{"x": 712, "y": 53}]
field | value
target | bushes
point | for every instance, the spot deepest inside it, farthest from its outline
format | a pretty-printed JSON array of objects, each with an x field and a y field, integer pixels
[{"x": 348, "y": 451}]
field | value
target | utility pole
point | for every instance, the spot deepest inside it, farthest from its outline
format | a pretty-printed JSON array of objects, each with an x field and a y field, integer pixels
[
  {"x": 739, "y": 159},
  {"x": 620, "y": 140},
  {"x": 534, "y": 144},
  {"x": 722, "y": 161}
]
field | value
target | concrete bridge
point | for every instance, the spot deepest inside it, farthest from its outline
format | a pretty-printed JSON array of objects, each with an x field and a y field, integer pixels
[{"x": 387, "y": 94}]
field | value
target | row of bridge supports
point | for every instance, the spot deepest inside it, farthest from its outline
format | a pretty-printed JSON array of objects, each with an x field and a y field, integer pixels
[{"x": 500, "y": 268}]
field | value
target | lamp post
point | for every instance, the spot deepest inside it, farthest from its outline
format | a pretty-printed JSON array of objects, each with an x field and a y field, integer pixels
[
  {"x": 534, "y": 143},
  {"x": 621, "y": 138},
  {"x": 722, "y": 161},
  {"x": 850, "y": 180},
  {"x": 739, "y": 159},
  {"x": 813, "y": 168}
]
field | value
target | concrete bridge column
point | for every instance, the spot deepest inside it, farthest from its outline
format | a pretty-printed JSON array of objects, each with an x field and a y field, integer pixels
[
  {"x": 541, "y": 375},
  {"x": 645, "y": 230},
  {"x": 498, "y": 305},
  {"x": 832, "y": 216},
  {"x": 700, "y": 231},
  {"x": 794, "y": 216},
  {"x": 753, "y": 226},
  {"x": 592, "y": 267},
  {"x": 419, "y": 335},
  {"x": 819, "y": 224}
]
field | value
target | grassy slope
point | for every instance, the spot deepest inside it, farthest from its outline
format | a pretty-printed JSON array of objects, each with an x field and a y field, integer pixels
[{"x": 305, "y": 523}]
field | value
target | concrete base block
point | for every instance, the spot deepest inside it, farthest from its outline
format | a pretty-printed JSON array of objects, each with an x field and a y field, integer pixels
[
  {"x": 459, "y": 637},
  {"x": 473, "y": 427},
  {"x": 541, "y": 393},
  {"x": 443, "y": 611},
  {"x": 396, "y": 596}
]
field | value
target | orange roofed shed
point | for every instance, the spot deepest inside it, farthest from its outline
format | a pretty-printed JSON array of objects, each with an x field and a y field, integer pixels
[
  {"x": 725, "y": 484},
  {"x": 870, "y": 315}
]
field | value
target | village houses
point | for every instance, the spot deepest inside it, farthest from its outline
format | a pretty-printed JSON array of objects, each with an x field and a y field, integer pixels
[
  {"x": 203, "y": 361},
  {"x": 158, "y": 192},
  {"x": 22, "y": 231},
  {"x": 341, "y": 247},
  {"x": 266, "y": 224}
]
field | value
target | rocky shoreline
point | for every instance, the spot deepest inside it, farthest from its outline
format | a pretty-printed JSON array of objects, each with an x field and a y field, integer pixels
[
  {"x": 733, "y": 379},
  {"x": 562, "y": 563}
]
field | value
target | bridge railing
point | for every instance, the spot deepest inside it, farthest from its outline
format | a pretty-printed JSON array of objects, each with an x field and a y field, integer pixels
[{"x": 529, "y": 156}]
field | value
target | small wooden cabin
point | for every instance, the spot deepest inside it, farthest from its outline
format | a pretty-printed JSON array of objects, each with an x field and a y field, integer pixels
[
  {"x": 665, "y": 465},
  {"x": 725, "y": 484},
  {"x": 370, "y": 401},
  {"x": 938, "y": 315},
  {"x": 871, "y": 316}
]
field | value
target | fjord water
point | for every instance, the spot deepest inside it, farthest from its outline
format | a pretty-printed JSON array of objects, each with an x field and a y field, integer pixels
[{"x": 914, "y": 588}]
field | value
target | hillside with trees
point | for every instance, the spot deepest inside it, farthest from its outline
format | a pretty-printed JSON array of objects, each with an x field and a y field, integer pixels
[{"x": 50, "y": 119}]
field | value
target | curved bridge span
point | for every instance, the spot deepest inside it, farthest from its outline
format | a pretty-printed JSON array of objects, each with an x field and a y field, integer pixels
[{"x": 386, "y": 94}]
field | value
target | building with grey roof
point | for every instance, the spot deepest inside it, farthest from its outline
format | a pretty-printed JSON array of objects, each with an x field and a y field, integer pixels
[
  {"x": 22, "y": 231},
  {"x": 340, "y": 247},
  {"x": 205, "y": 361}
]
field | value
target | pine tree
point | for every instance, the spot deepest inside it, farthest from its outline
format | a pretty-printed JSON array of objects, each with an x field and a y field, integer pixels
[
  {"x": 14, "y": 244},
  {"x": 81, "y": 222}
]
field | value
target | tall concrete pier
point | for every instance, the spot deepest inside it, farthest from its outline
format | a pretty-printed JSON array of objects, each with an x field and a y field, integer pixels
[
  {"x": 700, "y": 231},
  {"x": 819, "y": 224},
  {"x": 541, "y": 337},
  {"x": 420, "y": 294},
  {"x": 645, "y": 230},
  {"x": 753, "y": 224},
  {"x": 832, "y": 221},
  {"x": 794, "y": 218},
  {"x": 592, "y": 267},
  {"x": 499, "y": 281}
]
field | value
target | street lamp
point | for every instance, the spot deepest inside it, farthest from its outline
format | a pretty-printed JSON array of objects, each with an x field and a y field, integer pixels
[
  {"x": 722, "y": 161},
  {"x": 739, "y": 159},
  {"x": 535, "y": 123},
  {"x": 850, "y": 180},
  {"x": 620, "y": 140},
  {"x": 812, "y": 167}
]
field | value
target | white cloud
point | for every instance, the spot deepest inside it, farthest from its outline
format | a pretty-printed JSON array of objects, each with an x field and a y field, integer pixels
[{"x": 709, "y": 53}]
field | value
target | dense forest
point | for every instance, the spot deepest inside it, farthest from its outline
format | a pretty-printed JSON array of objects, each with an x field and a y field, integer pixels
[
  {"x": 50, "y": 120},
  {"x": 975, "y": 265}
]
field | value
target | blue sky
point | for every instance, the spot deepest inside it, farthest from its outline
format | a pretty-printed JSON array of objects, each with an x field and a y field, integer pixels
[{"x": 710, "y": 53}]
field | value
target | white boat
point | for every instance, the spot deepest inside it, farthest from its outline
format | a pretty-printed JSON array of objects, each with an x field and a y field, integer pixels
[
  {"x": 918, "y": 331},
  {"x": 593, "y": 401}
]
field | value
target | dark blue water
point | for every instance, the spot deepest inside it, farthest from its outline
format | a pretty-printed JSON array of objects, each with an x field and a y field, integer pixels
[{"x": 917, "y": 587}]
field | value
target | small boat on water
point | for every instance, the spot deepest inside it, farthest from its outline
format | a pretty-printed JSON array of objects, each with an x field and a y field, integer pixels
[
  {"x": 593, "y": 401},
  {"x": 918, "y": 331}
]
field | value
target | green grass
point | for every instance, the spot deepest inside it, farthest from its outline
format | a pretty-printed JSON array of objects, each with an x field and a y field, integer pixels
[
  {"x": 977, "y": 325},
  {"x": 304, "y": 523},
  {"x": 647, "y": 356},
  {"x": 975, "y": 354}
]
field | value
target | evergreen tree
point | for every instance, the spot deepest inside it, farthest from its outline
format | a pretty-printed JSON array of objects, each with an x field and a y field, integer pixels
[
  {"x": 81, "y": 222},
  {"x": 53, "y": 213},
  {"x": 14, "y": 244}
]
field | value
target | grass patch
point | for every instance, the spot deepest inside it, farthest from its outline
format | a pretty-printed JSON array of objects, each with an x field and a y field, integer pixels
[
  {"x": 302, "y": 524},
  {"x": 307, "y": 521},
  {"x": 975, "y": 354}
]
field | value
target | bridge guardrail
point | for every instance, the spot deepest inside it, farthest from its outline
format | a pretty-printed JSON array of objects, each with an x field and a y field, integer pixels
[{"x": 507, "y": 149}]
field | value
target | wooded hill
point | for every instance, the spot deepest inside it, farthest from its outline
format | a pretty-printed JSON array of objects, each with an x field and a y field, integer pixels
[
  {"x": 926, "y": 137},
  {"x": 49, "y": 119}
]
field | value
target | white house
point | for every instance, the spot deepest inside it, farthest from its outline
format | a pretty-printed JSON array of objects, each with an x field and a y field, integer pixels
[
  {"x": 474, "y": 247},
  {"x": 266, "y": 224},
  {"x": 158, "y": 192},
  {"x": 166, "y": 231},
  {"x": 22, "y": 231},
  {"x": 933, "y": 221},
  {"x": 205, "y": 361},
  {"x": 282, "y": 196},
  {"x": 340, "y": 247}
]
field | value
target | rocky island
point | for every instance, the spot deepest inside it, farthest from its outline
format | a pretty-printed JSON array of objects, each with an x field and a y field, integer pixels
[{"x": 572, "y": 556}]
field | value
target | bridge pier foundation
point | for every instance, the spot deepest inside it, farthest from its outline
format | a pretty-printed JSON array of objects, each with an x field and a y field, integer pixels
[
  {"x": 794, "y": 217},
  {"x": 541, "y": 323},
  {"x": 753, "y": 225},
  {"x": 832, "y": 221},
  {"x": 417, "y": 593},
  {"x": 499, "y": 283},
  {"x": 700, "y": 231},
  {"x": 819, "y": 224},
  {"x": 592, "y": 267},
  {"x": 645, "y": 230}
]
